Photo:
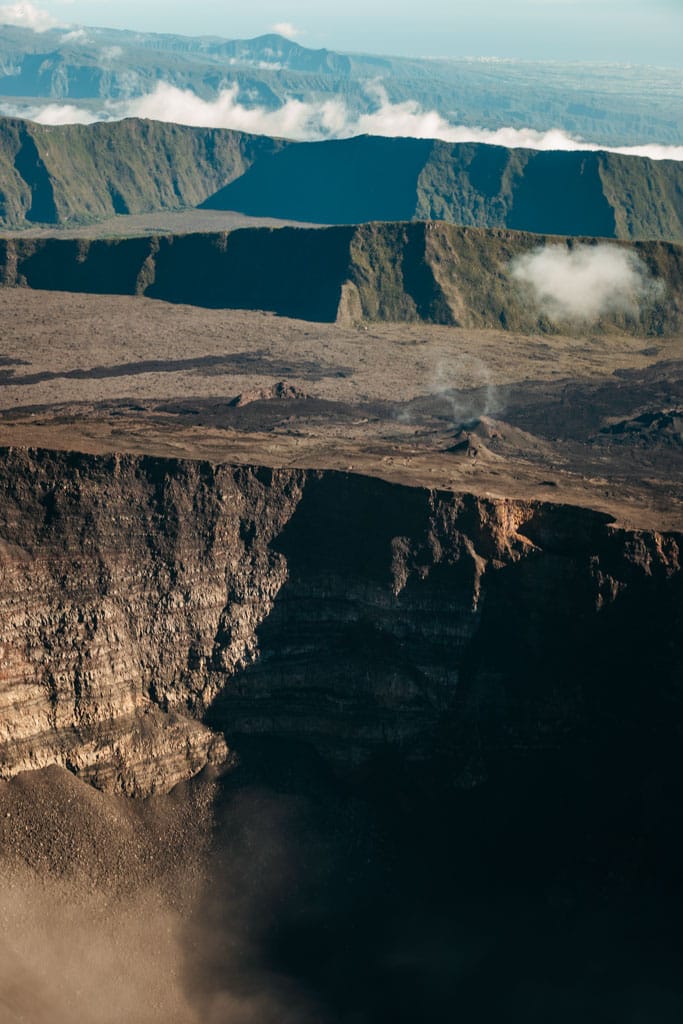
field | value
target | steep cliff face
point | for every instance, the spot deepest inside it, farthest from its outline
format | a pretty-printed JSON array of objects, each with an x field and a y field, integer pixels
[
  {"x": 152, "y": 607},
  {"x": 131, "y": 565},
  {"x": 399, "y": 272},
  {"x": 354, "y": 180},
  {"x": 71, "y": 174},
  {"x": 84, "y": 173}
]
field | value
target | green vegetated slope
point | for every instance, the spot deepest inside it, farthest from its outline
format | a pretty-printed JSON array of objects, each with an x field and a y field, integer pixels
[
  {"x": 86, "y": 173},
  {"x": 382, "y": 271},
  {"x": 366, "y": 178},
  {"x": 462, "y": 276},
  {"x": 83, "y": 174}
]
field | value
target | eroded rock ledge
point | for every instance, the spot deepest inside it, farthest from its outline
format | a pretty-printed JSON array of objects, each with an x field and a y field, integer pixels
[{"x": 151, "y": 607}]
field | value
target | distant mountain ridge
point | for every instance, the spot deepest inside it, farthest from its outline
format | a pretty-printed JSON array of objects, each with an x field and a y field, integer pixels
[
  {"x": 84, "y": 174},
  {"x": 606, "y": 104}
]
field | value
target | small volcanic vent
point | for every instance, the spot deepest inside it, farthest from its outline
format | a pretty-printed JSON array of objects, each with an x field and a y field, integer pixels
[
  {"x": 495, "y": 439},
  {"x": 474, "y": 437}
]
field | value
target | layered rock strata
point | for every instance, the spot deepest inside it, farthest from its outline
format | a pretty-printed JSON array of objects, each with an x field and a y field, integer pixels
[{"x": 152, "y": 607}]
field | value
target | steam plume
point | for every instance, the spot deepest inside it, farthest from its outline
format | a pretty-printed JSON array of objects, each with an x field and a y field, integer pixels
[{"x": 585, "y": 282}]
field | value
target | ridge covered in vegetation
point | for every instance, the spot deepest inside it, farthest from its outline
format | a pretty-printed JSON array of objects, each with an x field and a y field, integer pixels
[
  {"x": 87, "y": 173},
  {"x": 77, "y": 174},
  {"x": 395, "y": 271},
  {"x": 368, "y": 178}
]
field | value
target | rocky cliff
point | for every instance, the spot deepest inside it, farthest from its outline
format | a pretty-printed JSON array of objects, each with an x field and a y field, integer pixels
[
  {"x": 365, "y": 178},
  {"x": 402, "y": 272},
  {"x": 75, "y": 174},
  {"x": 152, "y": 608},
  {"x": 83, "y": 173}
]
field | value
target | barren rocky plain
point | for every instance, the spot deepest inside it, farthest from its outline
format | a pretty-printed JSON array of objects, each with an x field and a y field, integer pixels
[
  {"x": 340, "y": 667},
  {"x": 589, "y": 419}
]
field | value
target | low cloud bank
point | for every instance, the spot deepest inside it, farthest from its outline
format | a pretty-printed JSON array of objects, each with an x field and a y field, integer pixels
[
  {"x": 585, "y": 282},
  {"x": 328, "y": 119},
  {"x": 57, "y": 113},
  {"x": 294, "y": 119}
]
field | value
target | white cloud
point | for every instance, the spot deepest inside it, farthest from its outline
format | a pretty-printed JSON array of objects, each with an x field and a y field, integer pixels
[
  {"x": 411, "y": 120},
  {"x": 586, "y": 281},
  {"x": 286, "y": 29},
  {"x": 294, "y": 119},
  {"x": 651, "y": 150},
  {"x": 55, "y": 113},
  {"x": 77, "y": 35},
  {"x": 332, "y": 119},
  {"x": 25, "y": 15}
]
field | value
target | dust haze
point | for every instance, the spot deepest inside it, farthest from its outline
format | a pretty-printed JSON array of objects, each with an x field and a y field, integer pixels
[
  {"x": 71, "y": 955},
  {"x": 101, "y": 943}
]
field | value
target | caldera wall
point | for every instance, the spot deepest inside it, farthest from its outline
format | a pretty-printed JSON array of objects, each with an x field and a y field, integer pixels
[
  {"x": 427, "y": 271},
  {"x": 152, "y": 609}
]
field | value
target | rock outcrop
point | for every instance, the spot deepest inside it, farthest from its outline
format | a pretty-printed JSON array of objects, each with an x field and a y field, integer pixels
[{"x": 152, "y": 609}]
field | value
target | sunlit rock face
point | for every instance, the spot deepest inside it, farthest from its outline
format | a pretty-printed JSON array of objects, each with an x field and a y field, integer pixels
[{"x": 153, "y": 609}]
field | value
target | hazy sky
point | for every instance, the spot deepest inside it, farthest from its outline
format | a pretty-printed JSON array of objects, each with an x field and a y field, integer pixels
[{"x": 641, "y": 31}]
